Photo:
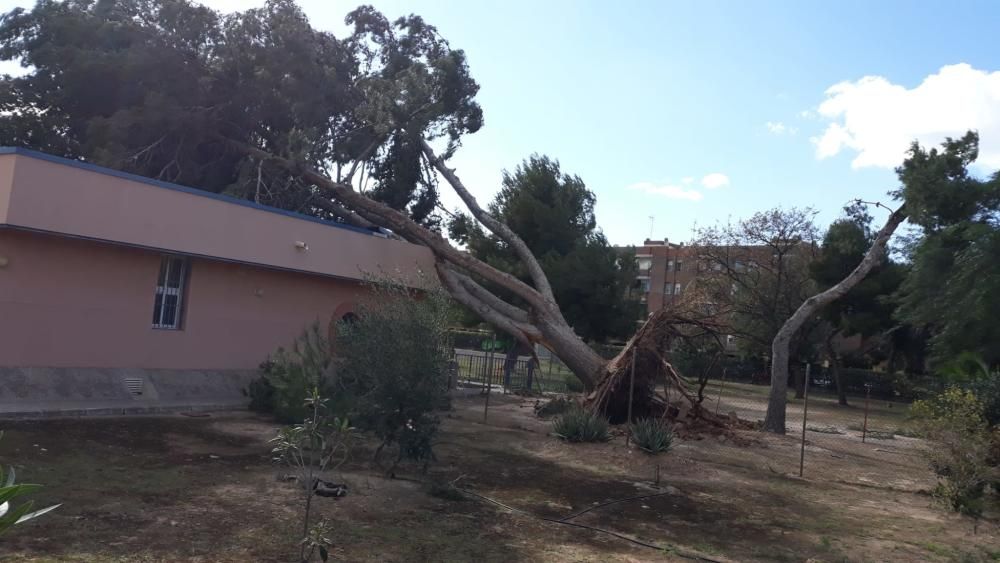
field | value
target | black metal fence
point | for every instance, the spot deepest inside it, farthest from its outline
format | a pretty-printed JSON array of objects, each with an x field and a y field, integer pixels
[{"x": 491, "y": 368}]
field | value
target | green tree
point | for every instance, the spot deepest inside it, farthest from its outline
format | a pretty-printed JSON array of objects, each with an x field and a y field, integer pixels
[
  {"x": 553, "y": 213},
  {"x": 161, "y": 87},
  {"x": 954, "y": 286}
]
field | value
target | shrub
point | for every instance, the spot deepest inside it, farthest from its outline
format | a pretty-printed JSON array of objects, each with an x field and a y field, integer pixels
[
  {"x": 987, "y": 390},
  {"x": 393, "y": 364},
  {"x": 288, "y": 377},
  {"x": 261, "y": 392},
  {"x": 580, "y": 425},
  {"x": 652, "y": 436},
  {"x": 963, "y": 453}
]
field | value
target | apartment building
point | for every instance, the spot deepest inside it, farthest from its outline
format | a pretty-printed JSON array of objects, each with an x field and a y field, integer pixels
[{"x": 665, "y": 271}]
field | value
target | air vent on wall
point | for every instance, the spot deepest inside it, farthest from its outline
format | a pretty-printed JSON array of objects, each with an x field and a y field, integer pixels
[{"x": 134, "y": 386}]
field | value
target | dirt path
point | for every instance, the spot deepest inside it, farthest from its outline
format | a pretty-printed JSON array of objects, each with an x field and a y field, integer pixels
[{"x": 181, "y": 489}]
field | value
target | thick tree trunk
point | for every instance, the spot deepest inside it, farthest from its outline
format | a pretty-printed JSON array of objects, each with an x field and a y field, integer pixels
[
  {"x": 775, "y": 419},
  {"x": 586, "y": 364}
]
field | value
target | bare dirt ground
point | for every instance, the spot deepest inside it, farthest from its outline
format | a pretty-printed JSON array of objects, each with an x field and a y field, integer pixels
[{"x": 203, "y": 489}]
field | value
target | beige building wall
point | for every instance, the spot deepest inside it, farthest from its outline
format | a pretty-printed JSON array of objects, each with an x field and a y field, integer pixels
[{"x": 81, "y": 304}]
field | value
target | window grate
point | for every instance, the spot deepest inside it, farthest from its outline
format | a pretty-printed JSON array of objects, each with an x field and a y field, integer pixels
[
  {"x": 169, "y": 296},
  {"x": 134, "y": 385}
]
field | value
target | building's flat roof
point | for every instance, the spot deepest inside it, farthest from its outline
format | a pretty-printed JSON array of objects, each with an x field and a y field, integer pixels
[
  {"x": 83, "y": 165},
  {"x": 44, "y": 193}
]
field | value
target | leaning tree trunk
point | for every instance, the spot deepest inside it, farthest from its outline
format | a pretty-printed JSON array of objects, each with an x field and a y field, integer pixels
[{"x": 775, "y": 419}]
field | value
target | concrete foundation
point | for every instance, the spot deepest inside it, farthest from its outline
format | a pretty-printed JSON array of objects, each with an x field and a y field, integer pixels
[{"x": 45, "y": 392}]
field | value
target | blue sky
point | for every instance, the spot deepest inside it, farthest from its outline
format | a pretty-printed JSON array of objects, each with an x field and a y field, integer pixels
[{"x": 645, "y": 100}]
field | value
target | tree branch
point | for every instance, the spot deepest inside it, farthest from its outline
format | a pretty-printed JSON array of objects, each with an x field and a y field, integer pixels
[
  {"x": 347, "y": 215},
  {"x": 395, "y": 220},
  {"x": 501, "y": 230},
  {"x": 453, "y": 281},
  {"x": 488, "y": 297},
  {"x": 361, "y": 158}
]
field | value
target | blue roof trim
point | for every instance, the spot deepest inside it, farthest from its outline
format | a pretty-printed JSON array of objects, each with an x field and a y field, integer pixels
[{"x": 175, "y": 187}]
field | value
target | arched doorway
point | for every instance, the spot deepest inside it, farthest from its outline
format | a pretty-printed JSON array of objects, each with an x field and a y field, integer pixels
[{"x": 344, "y": 313}]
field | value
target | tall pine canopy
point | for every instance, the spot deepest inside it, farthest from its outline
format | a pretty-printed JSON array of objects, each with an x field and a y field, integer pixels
[
  {"x": 157, "y": 87},
  {"x": 953, "y": 287}
]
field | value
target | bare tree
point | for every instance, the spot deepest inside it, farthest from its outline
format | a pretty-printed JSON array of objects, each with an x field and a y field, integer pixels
[{"x": 755, "y": 273}]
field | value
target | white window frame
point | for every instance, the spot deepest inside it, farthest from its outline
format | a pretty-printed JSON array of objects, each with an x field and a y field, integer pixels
[
  {"x": 167, "y": 263},
  {"x": 677, "y": 288}
]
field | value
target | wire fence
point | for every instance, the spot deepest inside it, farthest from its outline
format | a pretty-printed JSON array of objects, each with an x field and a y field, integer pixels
[
  {"x": 836, "y": 436},
  {"x": 827, "y": 436}
]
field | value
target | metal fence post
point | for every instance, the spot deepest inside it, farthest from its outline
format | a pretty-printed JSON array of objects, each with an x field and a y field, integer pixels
[
  {"x": 489, "y": 379},
  {"x": 805, "y": 415},
  {"x": 548, "y": 376},
  {"x": 722, "y": 383},
  {"x": 631, "y": 393},
  {"x": 864, "y": 427}
]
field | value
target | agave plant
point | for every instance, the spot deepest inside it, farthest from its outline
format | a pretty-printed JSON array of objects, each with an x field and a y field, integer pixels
[
  {"x": 11, "y": 516},
  {"x": 652, "y": 436}
]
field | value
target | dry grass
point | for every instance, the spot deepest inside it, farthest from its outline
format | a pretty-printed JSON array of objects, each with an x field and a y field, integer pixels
[{"x": 179, "y": 489}]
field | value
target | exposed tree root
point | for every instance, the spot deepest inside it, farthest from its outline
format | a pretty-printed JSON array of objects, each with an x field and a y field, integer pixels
[{"x": 648, "y": 350}]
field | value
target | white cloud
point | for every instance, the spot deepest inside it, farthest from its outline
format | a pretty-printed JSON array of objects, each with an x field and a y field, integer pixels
[
  {"x": 878, "y": 119},
  {"x": 807, "y": 114},
  {"x": 779, "y": 128},
  {"x": 668, "y": 191},
  {"x": 715, "y": 180},
  {"x": 687, "y": 180}
]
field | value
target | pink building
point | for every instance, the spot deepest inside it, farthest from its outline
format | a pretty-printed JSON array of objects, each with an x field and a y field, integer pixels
[{"x": 121, "y": 292}]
